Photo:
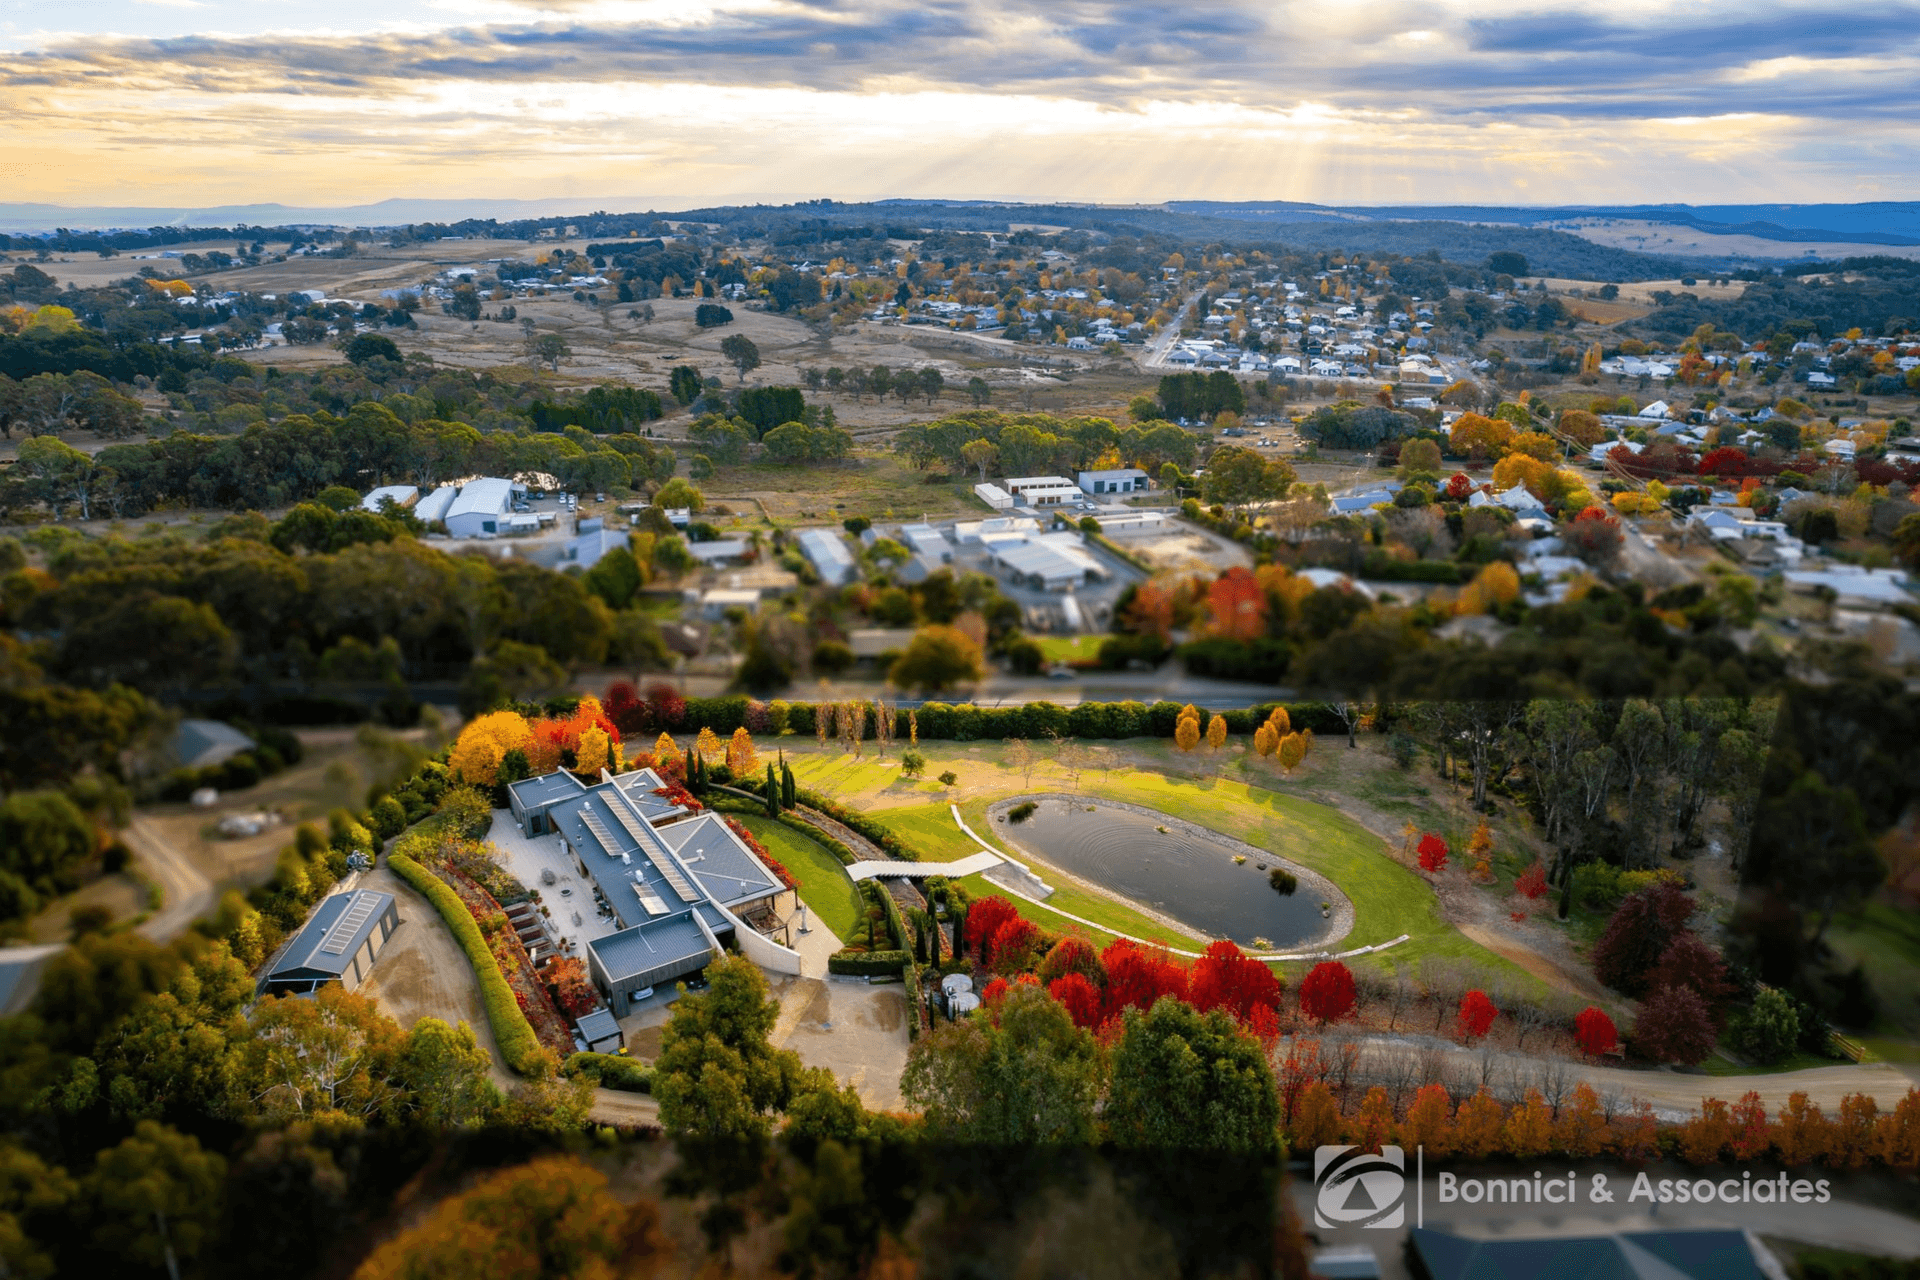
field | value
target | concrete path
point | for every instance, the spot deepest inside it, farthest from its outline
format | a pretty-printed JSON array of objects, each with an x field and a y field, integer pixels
[{"x": 893, "y": 868}]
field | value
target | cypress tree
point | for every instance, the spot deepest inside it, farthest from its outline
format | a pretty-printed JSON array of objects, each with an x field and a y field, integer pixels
[{"x": 773, "y": 793}]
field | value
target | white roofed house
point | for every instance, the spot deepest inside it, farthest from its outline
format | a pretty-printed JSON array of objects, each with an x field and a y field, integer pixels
[{"x": 828, "y": 552}]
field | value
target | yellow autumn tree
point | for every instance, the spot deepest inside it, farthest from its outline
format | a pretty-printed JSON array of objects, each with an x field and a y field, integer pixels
[
  {"x": 707, "y": 743},
  {"x": 1293, "y": 749},
  {"x": 740, "y": 754},
  {"x": 477, "y": 753},
  {"x": 1529, "y": 1129},
  {"x": 1281, "y": 722},
  {"x": 1217, "y": 732},
  {"x": 665, "y": 749},
  {"x": 591, "y": 756},
  {"x": 1495, "y": 586},
  {"x": 1186, "y": 733},
  {"x": 1265, "y": 741}
]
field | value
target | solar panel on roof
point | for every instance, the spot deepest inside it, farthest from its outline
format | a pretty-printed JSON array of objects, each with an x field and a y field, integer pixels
[
  {"x": 668, "y": 872},
  {"x": 343, "y": 930}
]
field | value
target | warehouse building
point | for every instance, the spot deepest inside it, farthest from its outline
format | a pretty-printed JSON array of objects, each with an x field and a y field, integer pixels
[
  {"x": 484, "y": 507},
  {"x": 346, "y": 932}
]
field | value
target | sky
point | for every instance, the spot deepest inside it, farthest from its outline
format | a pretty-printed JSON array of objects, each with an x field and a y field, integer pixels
[{"x": 677, "y": 103}]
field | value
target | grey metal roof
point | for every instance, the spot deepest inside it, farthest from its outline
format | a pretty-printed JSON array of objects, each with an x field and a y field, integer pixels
[
  {"x": 535, "y": 793},
  {"x": 199, "y": 743},
  {"x": 597, "y": 1026},
  {"x": 337, "y": 929},
  {"x": 722, "y": 865},
  {"x": 639, "y": 786},
  {"x": 655, "y": 951}
]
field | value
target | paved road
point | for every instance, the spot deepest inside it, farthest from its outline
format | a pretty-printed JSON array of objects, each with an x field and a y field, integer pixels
[
  {"x": 1676, "y": 1094},
  {"x": 188, "y": 894},
  {"x": 1155, "y": 354}
]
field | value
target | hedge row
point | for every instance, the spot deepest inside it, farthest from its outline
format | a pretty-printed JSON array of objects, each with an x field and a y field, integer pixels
[
  {"x": 612, "y": 1071},
  {"x": 869, "y": 964},
  {"x": 511, "y": 1030},
  {"x": 965, "y": 722}
]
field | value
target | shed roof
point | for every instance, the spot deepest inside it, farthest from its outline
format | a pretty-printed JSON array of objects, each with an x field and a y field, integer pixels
[
  {"x": 199, "y": 743},
  {"x": 337, "y": 929},
  {"x": 487, "y": 496}
]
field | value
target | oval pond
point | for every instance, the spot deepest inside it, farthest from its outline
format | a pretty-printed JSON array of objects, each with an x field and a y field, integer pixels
[{"x": 1190, "y": 878}]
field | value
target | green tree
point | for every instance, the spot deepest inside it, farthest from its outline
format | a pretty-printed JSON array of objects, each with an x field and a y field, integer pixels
[
  {"x": 45, "y": 844},
  {"x": 1238, "y": 477},
  {"x": 1021, "y": 1076},
  {"x": 678, "y": 493},
  {"x": 1183, "y": 1079},
  {"x": 158, "y": 1197},
  {"x": 685, "y": 383},
  {"x": 510, "y": 672},
  {"x": 716, "y": 1076},
  {"x": 549, "y": 349},
  {"x": 59, "y": 473},
  {"x": 938, "y": 657},
  {"x": 446, "y": 1074},
  {"x": 981, "y": 454},
  {"x": 29, "y": 1189},
  {"x": 741, "y": 353},
  {"x": 979, "y": 391},
  {"x": 1770, "y": 1027}
]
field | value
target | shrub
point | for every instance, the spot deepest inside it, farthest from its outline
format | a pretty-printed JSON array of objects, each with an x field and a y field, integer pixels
[
  {"x": 1284, "y": 882},
  {"x": 1433, "y": 854},
  {"x": 912, "y": 763},
  {"x": 1769, "y": 1030},
  {"x": 1022, "y": 811},
  {"x": 868, "y": 964},
  {"x": 984, "y": 919},
  {"x": 611, "y": 1071},
  {"x": 511, "y": 1030},
  {"x": 1532, "y": 883}
]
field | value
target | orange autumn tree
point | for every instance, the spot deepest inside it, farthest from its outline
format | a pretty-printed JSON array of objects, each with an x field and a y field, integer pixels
[
  {"x": 557, "y": 739},
  {"x": 1236, "y": 606},
  {"x": 1217, "y": 732}
]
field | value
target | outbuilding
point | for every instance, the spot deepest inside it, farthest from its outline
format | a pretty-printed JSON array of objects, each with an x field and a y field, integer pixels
[
  {"x": 339, "y": 943},
  {"x": 483, "y": 507}
]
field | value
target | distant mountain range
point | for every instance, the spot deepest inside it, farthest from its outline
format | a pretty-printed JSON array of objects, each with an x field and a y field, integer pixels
[{"x": 1879, "y": 222}]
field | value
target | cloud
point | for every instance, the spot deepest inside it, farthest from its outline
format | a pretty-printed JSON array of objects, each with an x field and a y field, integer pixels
[{"x": 1109, "y": 94}]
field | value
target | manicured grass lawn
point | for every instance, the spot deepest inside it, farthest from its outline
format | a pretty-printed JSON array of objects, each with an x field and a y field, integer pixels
[
  {"x": 824, "y": 886},
  {"x": 1388, "y": 898},
  {"x": 1066, "y": 648}
]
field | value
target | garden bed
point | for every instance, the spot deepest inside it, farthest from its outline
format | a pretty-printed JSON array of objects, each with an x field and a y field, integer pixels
[{"x": 529, "y": 992}]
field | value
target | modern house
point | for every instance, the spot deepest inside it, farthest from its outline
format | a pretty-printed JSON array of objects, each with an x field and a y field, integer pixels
[
  {"x": 339, "y": 943},
  {"x": 680, "y": 889},
  {"x": 1115, "y": 480}
]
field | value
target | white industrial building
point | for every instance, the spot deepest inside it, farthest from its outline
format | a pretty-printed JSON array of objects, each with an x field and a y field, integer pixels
[
  {"x": 434, "y": 506},
  {"x": 829, "y": 554},
  {"x": 1019, "y": 485},
  {"x": 927, "y": 542},
  {"x": 1135, "y": 524},
  {"x": 1115, "y": 480},
  {"x": 484, "y": 507},
  {"x": 993, "y": 495},
  {"x": 399, "y": 496},
  {"x": 974, "y": 531},
  {"x": 1052, "y": 562}
]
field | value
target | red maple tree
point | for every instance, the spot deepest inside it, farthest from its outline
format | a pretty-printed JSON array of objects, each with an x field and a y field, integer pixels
[
  {"x": 1532, "y": 883},
  {"x": 984, "y": 918},
  {"x": 1237, "y": 605},
  {"x": 1327, "y": 994},
  {"x": 1226, "y": 978},
  {"x": 1013, "y": 945},
  {"x": 1477, "y": 1013},
  {"x": 1136, "y": 977},
  {"x": 1594, "y": 1031},
  {"x": 1080, "y": 998},
  {"x": 1433, "y": 854}
]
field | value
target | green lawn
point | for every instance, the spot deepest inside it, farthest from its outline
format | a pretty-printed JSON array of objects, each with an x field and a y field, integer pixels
[
  {"x": 1388, "y": 898},
  {"x": 1067, "y": 648},
  {"x": 824, "y": 886},
  {"x": 1886, "y": 940}
]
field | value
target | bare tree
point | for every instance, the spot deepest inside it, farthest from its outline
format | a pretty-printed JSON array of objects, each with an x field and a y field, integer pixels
[
  {"x": 1553, "y": 1077},
  {"x": 1020, "y": 755},
  {"x": 1399, "y": 997},
  {"x": 1441, "y": 982},
  {"x": 1397, "y": 1068},
  {"x": 1527, "y": 1016}
]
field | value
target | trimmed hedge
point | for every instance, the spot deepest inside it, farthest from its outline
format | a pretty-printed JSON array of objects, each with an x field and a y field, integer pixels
[
  {"x": 511, "y": 1030},
  {"x": 611, "y": 1070},
  {"x": 869, "y": 964}
]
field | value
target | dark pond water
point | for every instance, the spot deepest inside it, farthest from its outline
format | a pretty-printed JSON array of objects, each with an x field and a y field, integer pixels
[{"x": 1192, "y": 879}]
